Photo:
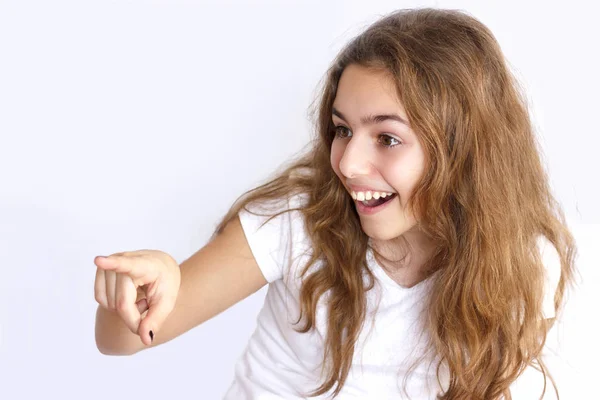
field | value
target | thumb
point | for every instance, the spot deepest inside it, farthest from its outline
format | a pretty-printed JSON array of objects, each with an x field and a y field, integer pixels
[{"x": 157, "y": 314}]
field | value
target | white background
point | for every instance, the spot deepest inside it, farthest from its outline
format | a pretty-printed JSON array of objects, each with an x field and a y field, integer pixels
[{"x": 135, "y": 124}]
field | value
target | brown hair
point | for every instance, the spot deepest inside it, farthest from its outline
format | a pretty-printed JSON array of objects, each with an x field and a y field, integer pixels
[{"x": 484, "y": 200}]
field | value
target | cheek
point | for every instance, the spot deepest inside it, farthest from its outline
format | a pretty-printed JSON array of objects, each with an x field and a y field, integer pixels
[{"x": 335, "y": 157}]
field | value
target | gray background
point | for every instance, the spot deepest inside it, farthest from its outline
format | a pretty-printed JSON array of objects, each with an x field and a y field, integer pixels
[{"x": 135, "y": 124}]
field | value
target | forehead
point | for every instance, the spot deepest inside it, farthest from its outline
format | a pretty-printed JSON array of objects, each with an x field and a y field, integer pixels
[{"x": 366, "y": 90}]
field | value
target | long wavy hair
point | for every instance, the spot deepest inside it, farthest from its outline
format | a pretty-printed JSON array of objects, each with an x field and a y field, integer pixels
[{"x": 484, "y": 199}]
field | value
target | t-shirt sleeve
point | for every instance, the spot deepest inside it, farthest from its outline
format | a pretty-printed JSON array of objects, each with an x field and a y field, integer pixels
[
  {"x": 551, "y": 261},
  {"x": 270, "y": 242}
]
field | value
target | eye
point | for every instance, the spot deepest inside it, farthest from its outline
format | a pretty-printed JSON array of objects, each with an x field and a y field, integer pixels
[
  {"x": 388, "y": 141},
  {"x": 338, "y": 131}
]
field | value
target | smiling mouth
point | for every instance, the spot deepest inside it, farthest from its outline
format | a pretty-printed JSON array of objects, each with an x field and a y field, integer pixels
[{"x": 378, "y": 202}]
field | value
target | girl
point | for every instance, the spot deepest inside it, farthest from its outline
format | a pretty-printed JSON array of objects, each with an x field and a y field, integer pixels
[{"x": 414, "y": 250}]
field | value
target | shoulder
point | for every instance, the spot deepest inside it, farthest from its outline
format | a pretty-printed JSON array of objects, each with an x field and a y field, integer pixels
[{"x": 275, "y": 231}]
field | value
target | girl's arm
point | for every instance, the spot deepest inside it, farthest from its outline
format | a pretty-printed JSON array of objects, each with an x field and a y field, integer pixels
[{"x": 213, "y": 279}]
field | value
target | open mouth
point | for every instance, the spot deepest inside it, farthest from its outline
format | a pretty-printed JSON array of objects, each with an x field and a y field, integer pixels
[{"x": 377, "y": 202}]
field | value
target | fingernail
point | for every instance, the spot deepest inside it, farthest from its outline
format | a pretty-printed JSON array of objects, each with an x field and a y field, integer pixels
[{"x": 151, "y": 336}]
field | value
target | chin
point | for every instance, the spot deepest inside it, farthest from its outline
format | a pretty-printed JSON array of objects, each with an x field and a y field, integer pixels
[{"x": 382, "y": 233}]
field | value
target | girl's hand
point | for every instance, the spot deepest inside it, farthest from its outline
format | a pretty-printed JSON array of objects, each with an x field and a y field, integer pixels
[{"x": 132, "y": 283}]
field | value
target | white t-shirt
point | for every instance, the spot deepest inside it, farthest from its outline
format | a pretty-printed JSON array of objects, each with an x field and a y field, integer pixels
[{"x": 280, "y": 363}]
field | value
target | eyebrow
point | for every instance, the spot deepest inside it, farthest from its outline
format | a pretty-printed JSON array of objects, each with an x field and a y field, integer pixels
[{"x": 373, "y": 119}]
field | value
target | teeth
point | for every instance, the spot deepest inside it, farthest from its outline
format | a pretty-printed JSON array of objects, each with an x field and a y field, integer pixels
[{"x": 368, "y": 195}]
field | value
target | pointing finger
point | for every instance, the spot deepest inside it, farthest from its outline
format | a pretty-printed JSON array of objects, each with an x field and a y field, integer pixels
[{"x": 139, "y": 268}]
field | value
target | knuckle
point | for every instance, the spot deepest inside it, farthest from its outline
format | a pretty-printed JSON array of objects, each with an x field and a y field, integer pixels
[
  {"x": 102, "y": 303},
  {"x": 99, "y": 297}
]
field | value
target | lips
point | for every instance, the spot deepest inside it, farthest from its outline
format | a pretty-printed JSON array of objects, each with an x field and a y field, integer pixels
[{"x": 373, "y": 210}]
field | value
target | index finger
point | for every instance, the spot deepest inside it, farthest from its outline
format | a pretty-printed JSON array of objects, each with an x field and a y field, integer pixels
[{"x": 129, "y": 265}]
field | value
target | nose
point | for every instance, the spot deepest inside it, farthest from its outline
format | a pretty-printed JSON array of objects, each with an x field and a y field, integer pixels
[{"x": 355, "y": 160}]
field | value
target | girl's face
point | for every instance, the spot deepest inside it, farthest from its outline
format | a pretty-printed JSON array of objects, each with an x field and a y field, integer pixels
[{"x": 382, "y": 155}]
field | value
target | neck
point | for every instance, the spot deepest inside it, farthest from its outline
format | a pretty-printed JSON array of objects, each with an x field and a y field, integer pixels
[{"x": 408, "y": 251}]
